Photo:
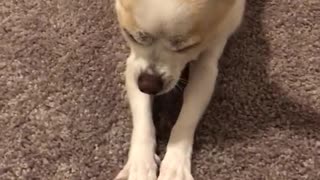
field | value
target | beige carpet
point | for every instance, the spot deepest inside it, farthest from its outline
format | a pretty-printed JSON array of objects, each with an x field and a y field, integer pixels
[{"x": 63, "y": 113}]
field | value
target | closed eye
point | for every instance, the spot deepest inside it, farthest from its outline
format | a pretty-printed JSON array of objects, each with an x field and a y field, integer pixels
[
  {"x": 131, "y": 37},
  {"x": 186, "y": 48},
  {"x": 141, "y": 38}
]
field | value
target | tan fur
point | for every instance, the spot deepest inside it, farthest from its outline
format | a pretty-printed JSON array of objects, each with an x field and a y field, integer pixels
[
  {"x": 164, "y": 36},
  {"x": 205, "y": 22},
  {"x": 124, "y": 14}
]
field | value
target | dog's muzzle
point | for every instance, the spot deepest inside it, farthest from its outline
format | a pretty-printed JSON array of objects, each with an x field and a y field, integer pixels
[{"x": 150, "y": 83}]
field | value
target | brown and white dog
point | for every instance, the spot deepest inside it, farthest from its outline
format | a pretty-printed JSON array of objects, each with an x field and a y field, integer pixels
[{"x": 164, "y": 36}]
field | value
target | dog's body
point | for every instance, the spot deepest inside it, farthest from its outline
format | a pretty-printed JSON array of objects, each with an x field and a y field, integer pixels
[{"x": 164, "y": 36}]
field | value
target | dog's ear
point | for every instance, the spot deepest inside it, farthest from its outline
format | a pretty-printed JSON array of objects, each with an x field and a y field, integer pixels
[{"x": 124, "y": 14}]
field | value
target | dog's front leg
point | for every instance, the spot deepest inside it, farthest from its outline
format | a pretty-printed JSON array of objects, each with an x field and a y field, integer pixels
[
  {"x": 141, "y": 164},
  {"x": 177, "y": 161}
]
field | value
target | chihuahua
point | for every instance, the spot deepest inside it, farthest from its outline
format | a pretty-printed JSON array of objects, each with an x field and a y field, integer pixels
[{"x": 164, "y": 36}]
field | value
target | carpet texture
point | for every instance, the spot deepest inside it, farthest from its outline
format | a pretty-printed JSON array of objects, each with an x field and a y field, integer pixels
[{"x": 63, "y": 108}]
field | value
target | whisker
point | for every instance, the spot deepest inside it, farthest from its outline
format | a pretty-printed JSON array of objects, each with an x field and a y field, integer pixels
[
  {"x": 184, "y": 81},
  {"x": 179, "y": 88}
]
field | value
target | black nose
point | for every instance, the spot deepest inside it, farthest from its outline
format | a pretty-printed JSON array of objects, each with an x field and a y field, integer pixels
[{"x": 150, "y": 84}]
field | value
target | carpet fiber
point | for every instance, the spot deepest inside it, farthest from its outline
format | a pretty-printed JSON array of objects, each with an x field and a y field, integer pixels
[{"x": 63, "y": 108}]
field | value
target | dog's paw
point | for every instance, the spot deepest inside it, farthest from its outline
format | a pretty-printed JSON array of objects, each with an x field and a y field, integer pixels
[
  {"x": 143, "y": 168},
  {"x": 175, "y": 167}
]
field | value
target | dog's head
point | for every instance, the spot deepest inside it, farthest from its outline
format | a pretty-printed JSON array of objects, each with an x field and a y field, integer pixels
[{"x": 165, "y": 35}]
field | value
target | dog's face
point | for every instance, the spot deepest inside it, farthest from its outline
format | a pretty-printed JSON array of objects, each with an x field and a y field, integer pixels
[{"x": 165, "y": 35}]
